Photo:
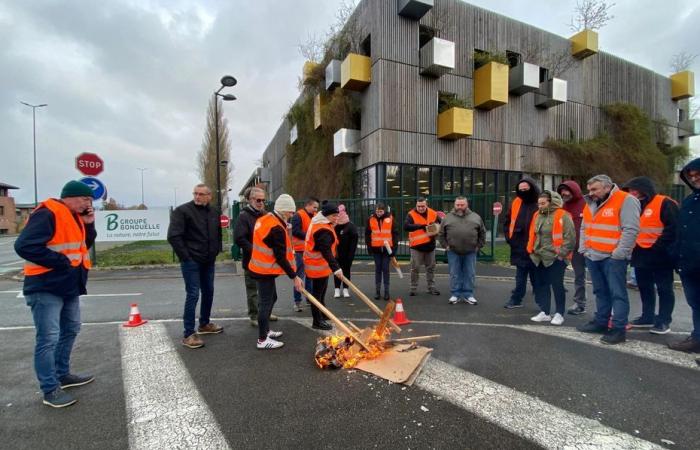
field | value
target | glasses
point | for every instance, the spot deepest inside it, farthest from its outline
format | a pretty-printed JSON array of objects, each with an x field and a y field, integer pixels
[{"x": 258, "y": 200}]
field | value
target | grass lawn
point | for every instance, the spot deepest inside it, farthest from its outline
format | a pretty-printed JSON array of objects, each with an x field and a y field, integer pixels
[{"x": 142, "y": 253}]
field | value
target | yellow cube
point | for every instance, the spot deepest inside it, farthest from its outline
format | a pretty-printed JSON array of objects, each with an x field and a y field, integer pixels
[
  {"x": 584, "y": 44},
  {"x": 355, "y": 72},
  {"x": 682, "y": 85},
  {"x": 307, "y": 72},
  {"x": 491, "y": 85},
  {"x": 455, "y": 123},
  {"x": 319, "y": 102}
]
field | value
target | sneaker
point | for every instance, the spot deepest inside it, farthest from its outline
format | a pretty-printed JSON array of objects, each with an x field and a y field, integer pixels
[
  {"x": 336, "y": 294},
  {"x": 690, "y": 344},
  {"x": 632, "y": 286},
  {"x": 541, "y": 317},
  {"x": 592, "y": 327},
  {"x": 269, "y": 344},
  {"x": 471, "y": 300},
  {"x": 613, "y": 337},
  {"x": 433, "y": 291},
  {"x": 576, "y": 310},
  {"x": 640, "y": 322},
  {"x": 193, "y": 341},
  {"x": 210, "y": 328},
  {"x": 511, "y": 305},
  {"x": 558, "y": 319},
  {"x": 253, "y": 323},
  {"x": 273, "y": 318},
  {"x": 72, "y": 380},
  {"x": 346, "y": 294},
  {"x": 453, "y": 300},
  {"x": 322, "y": 326},
  {"x": 274, "y": 334},
  {"x": 58, "y": 398},
  {"x": 297, "y": 307},
  {"x": 661, "y": 328}
]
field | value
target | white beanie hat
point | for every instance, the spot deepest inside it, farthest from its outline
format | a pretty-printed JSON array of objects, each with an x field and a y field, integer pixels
[{"x": 285, "y": 203}]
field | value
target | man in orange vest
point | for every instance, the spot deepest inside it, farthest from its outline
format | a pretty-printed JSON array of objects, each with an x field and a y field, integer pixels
[
  {"x": 608, "y": 235},
  {"x": 300, "y": 225},
  {"x": 422, "y": 242},
  {"x": 272, "y": 256},
  {"x": 515, "y": 229},
  {"x": 651, "y": 258},
  {"x": 55, "y": 243}
]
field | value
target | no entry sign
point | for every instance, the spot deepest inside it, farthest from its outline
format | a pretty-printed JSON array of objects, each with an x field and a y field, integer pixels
[
  {"x": 89, "y": 164},
  {"x": 497, "y": 208},
  {"x": 224, "y": 221}
]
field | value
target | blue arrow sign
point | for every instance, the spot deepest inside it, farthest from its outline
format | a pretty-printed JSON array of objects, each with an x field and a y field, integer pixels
[{"x": 98, "y": 189}]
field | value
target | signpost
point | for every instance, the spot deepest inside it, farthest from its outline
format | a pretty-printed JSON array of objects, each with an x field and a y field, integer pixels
[
  {"x": 89, "y": 164},
  {"x": 98, "y": 189},
  {"x": 224, "y": 221}
]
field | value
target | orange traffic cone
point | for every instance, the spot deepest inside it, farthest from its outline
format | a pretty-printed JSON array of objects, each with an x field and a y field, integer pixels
[
  {"x": 134, "y": 317},
  {"x": 400, "y": 317}
]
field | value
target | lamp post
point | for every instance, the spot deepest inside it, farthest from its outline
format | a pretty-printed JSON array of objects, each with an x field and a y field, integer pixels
[
  {"x": 226, "y": 81},
  {"x": 34, "y": 107},
  {"x": 142, "y": 169}
]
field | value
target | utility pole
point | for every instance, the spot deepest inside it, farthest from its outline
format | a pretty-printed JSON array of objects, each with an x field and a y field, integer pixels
[
  {"x": 142, "y": 169},
  {"x": 34, "y": 107}
]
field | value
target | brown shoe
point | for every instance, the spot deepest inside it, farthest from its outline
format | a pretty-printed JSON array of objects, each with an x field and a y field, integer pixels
[
  {"x": 193, "y": 341},
  {"x": 688, "y": 345},
  {"x": 210, "y": 328},
  {"x": 273, "y": 318}
]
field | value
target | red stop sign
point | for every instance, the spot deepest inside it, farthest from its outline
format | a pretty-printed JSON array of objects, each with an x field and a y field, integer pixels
[
  {"x": 224, "y": 221},
  {"x": 497, "y": 208},
  {"x": 89, "y": 164}
]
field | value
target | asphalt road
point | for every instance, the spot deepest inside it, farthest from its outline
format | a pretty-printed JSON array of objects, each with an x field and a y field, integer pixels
[
  {"x": 9, "y": 261},
  {"x": 495, "y": 379}
]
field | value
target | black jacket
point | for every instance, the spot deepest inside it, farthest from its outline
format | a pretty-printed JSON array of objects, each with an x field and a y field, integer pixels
[
  {"x": 394, "y": 235},
  {"x": 195, "y": 233},
  {"x": 347, "y": 241},
  {"x": 409, "y": 226},
  {"x": 297, "y": 231},
  {"x": 277, "y": 241},
  {"x": 688, "y": 242},
  {"x": 659, "y": 255},
  {"x": 518, "y": 241},
  {"x": 323, "y": 243},
  {"x": 64, "y": 280},
  {"x": 243, "y": 232}
]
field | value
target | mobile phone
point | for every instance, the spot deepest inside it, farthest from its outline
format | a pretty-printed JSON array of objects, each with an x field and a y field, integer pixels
[{"x": 86, "y": 212}]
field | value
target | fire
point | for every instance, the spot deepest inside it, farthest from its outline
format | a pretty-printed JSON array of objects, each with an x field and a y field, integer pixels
[{"x": 334, "y": 352}]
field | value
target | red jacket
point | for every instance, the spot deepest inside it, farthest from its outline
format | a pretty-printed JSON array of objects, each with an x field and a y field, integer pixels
[{"x": 575, "y": 205}]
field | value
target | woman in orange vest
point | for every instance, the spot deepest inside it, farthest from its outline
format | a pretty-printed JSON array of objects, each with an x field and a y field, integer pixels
[
  {"x": 381, "y": 238},
  {"x": 552, "y": 239},
  {"x": 320, "y": 254},
  {"x": 272, "y": 256}
]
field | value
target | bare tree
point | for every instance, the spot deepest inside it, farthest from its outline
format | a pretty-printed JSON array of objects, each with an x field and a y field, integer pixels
[
  {"x": 313, "y": 48},
  {"x": 591, "y": 15},
  {"x": 206, "y": 158},
  {"x": 681, "y": 61},
  {"x": 556, "y": 61}
]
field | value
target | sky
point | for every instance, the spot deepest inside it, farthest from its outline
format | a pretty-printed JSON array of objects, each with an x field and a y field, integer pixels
[{"x": 130, "y": 79}]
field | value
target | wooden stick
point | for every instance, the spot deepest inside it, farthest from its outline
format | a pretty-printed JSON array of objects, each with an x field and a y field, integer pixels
[
  {"x": 354, "y": 327},
  {"x": 369, "y": 302},
  {"x": 334, "y": 319},
  {"x": 414, "y": 339},
  {"x": 385, "y": 317}
]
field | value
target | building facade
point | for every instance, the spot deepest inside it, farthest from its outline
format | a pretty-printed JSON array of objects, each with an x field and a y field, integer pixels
[{"x": 8, "y": 213}]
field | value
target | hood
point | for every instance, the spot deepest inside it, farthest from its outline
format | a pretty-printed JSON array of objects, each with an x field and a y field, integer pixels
[
  {"x": 642, "y": 184},
  {"x": 556, "y": 203},
  {"x": 573, "y": 187},
  {"x": 319, "y": 218},
  {"x": 692, "y": 165},
  {"x": 531, "y": 195}
]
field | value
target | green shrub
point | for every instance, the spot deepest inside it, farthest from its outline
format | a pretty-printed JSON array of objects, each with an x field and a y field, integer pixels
[{"x": 482, "y": 58}]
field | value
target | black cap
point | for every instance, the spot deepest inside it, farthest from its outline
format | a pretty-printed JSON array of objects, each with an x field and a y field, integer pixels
[{"x": 329, "y": 208}]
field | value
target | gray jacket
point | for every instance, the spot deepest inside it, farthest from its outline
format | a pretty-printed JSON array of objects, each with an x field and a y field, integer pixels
[
  {"x": 629, "y": 223},
  {"x": 462, "y": 234}
]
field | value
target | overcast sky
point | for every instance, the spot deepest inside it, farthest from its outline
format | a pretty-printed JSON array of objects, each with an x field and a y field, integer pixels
[{"x": 130, "y": 79}]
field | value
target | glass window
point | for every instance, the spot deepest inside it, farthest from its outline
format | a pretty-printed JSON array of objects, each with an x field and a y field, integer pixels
[
  {"x": 457, "y": 183},
  {"x": 467, "y": 181},
  {"x": 424, "y": 181},
  {"x": 513, "y": 178},
  {"x": 478, "y": 181},
  {"x": 393, "y": 181},
  {"x": 490, "y": 183},
  {"x": 436, "y": 177},
  {"x": 408, "y": 174},
  {"x": 371, "y": 182},
  {"x": 447, "y": 181}
]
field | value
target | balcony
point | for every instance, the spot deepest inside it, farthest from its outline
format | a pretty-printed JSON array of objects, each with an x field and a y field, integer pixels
[
  {"x": 333, "y": 74},
  {"x": 584, "y": 44},
  {"x": 344, "y": 141},
  {"x": 682, "y": 85},
  {"x": 355, "y": 72},
  {"x": 552, "y": 92},
  {"x": 491, "y": 85},
  {"x": 414, "y": 9},
  {"x": 455, "y": 123},
  {"x": 524, "y": 78},
  {"x": 437, "y": 57}
]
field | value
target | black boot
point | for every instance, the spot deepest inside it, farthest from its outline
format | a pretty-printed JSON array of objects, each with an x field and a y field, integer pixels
[
  {"x": 386, "y": 293},
  {"x": 378, "y": 294}
]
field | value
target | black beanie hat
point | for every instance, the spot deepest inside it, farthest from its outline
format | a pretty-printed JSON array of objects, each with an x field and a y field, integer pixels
[
  {"x": 329, "y": 208},
  {"x": 76, "y": 189}
]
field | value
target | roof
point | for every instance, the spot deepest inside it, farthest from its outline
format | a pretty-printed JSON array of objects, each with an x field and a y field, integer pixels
[{"x": 8, "y": 186}]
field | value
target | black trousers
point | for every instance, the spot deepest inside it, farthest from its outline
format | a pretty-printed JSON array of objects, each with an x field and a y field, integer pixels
[
  {"x": 662, "y": 280},
  {"x": 345, "y": 264},
  {"x": 267, "y": 296},
  {"x": 318, "y": 290},
  {"x": 547, "y": 280}
]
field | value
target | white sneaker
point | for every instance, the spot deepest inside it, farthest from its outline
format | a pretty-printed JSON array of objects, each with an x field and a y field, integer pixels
[
  {"x": 337, "y": 293},
  {"x": 269, "y": 344},
  {"x": 471, "y": 301},
  {"x": 346, "y": 294},
  {"x": 558, "y": 319},
  {"x": 541, "y": 317},
  {"x": 453, "y": 300},
  {"x": 274, "y": 334}
]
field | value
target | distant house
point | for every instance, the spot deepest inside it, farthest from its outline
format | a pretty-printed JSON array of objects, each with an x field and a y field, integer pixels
[
  {"x": 22, "y": 211},
  {"x": 8, "y": 215}
]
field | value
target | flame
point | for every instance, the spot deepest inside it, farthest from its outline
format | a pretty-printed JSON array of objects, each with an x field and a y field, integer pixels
[{"x": 333, "y": 352}]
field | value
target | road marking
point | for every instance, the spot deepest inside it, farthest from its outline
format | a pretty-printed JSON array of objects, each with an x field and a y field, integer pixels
[
  {"x": 163, "y": 406},
  {"x": 19, "y": 261},
  {"x": 129, "y": 294}
]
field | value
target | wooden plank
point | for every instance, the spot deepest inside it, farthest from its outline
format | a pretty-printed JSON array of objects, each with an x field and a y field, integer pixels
[
  {"x": 369, "y": 302},
  {"x": 334, "y": 319}
]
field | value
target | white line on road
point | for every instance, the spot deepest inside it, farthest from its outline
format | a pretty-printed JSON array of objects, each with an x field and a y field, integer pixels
[
  {"x": 19, "y": 261},
  {"x": 164, "y": 408},
  {"x": 128, "y": 294}
]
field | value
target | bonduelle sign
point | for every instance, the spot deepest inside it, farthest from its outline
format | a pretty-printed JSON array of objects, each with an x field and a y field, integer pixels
[{"x": 132, "y": 225}]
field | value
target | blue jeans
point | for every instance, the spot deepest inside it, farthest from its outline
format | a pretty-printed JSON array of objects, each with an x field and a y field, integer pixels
[
  {"x": 462, "y": 273},
  {"x": 653, "y": 281},
  {"x": 299, "y": 259},
  {"x": 609, "y": 278},
  {"x": 198, "y": 277},
  {"x": 57, "y": 323},
  {"x": 691, "y": 288}
]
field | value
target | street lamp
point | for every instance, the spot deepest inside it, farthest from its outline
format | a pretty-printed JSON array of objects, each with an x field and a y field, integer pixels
[
  {"x": 34, "y": 107},
  {"x": 226, "y": 81},
  {"x": 142, "y": 169}
]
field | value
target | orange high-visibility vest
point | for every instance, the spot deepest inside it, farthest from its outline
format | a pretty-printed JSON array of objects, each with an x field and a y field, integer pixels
[
  {"x": 262, "y": 259},
  {"x": 557, "y": 232},
  {"x": 381, "y": 231},
  {"x": 514, "y": 211},
  {"x": 305, "y": 222},
  {"x": 68, "y": 239},
  {"x": 602, "y": 232},
  {"x": 315, "y": 265},
  {"x": 419, "y": 237},
  {"x": 650, "y": 224}
]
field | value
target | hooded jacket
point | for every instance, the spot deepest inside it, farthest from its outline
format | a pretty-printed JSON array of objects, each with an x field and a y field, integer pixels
[
  {"x": 659, "y": 255},
  {"x": 688, "y": 242},
  {"x": 544, "y": 251},
  {"x": 518, "y": 241},
  {"x": 462, "y": 233},
  {"x": 243, "y": 232},
  {"x": 575, "y": 205}
]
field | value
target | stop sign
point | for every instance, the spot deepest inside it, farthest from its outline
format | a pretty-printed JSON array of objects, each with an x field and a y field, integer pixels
[
  {"x": 89, "y": 164},
  {"x": 497, "y": 208},
  {"x": 224, "y": 221}
]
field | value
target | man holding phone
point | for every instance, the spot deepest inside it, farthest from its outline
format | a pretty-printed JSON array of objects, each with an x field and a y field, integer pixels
[{"x": 55, "y": 244}]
